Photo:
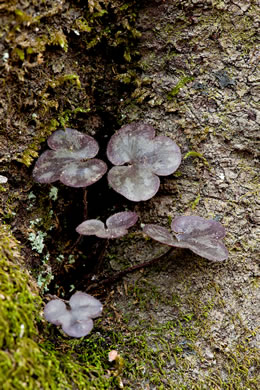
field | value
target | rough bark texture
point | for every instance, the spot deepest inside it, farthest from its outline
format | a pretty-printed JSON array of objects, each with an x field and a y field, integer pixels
[{"x": 185, "y": 323}]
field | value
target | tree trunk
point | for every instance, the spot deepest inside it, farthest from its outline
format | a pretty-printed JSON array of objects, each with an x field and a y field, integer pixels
[{"x": 188, "y": 68}]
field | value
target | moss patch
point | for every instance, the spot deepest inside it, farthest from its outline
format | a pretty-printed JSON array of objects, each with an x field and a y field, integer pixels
[
  {"x": 165, "y": 349},
  {"x": 175, "y": 90}
]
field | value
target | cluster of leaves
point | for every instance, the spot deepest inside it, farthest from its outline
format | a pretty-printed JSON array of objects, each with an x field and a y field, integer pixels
[
  {"x": 139, "y": 157},
  {"x": 72, "y": 161}
]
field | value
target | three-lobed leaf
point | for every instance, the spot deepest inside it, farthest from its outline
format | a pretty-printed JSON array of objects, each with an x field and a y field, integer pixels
[
  {"x": 70, "y": 160},
  {"x": 139, "y": 157},
  {"x": 202, "y": 236},
  {"x": 117, "y": 225},
  {"x": 76, "y": 321}
]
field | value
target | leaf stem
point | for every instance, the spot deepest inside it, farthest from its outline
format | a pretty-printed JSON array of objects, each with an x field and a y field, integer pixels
[
  {"x": 119, "y": 275},
  {"x": 85, "y": 203}
]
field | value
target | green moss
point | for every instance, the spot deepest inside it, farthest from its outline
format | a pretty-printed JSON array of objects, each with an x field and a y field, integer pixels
[
  {"x": 195, "y": 202},
  {"x": 73, "y": 78},
  {"x": 152, "y": 343},
  {"x": 185, "y": 80},
  {"x": 192, "y": 153},
  {"x": 31, "y": 151}
]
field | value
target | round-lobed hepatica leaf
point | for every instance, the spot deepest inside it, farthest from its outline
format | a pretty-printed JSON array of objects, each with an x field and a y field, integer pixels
[
  {"x": 116, "y": 225},
  {"x": 70, "y": 160},
  {"x": 202, "y": 236},
  {"x": 76, "y": 320},
  {"x": 145, "y": 156},
  {"x": 159, "y": 233}
]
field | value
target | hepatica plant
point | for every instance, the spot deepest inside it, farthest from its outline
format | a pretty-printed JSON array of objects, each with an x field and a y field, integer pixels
[
  {"x": 70, "y": 160},
  {"x": 139, "y": 158},
  {"x": 116, "y": 225},
  {"x": 202, "y": 236},
  {"x": 76, "y": 318}
]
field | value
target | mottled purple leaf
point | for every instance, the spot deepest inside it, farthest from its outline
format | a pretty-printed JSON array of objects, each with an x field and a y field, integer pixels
[
  {"x": 91, "y": 227},
  {"x": 159, "y": 233},
  {"x": 71, "y": 160},
  {"x": 56, "y": 312},
  {"x": 48, "y": 167},
  {"x": 168, "y": 156},
  {"x": 73, "y": 141},
  {"x": 145, "y": 155},
  {"x": 133, "y": 182},
  {"x": 127, "y": 143},
  {"x": 112, "y": 233},
  {"x": 117, "y": 225},
  {"x": 76, "y": 321},
  {"x": 194, "y": 226},
  {"x": 200, "y": 235}
]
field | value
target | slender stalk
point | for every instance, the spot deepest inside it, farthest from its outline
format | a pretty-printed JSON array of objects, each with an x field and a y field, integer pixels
[
  {"x": 75, "y": 243},
  {"x": 85, "y": 203},
  {"x": 100, "y": 259},
  {"x": 126, "y": 271},
  {"x": 85, "y": 214}
]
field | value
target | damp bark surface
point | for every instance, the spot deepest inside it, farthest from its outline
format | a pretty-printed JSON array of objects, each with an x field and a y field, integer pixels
[{"x": 188, "y": 68}]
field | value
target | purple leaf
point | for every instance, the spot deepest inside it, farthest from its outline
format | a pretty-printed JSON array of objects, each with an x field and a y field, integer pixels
[
  {"x": 146, "y": 156},
  {"x": 125, "y": 220},
  {"x": 71, "y": 160},
  {"x": 76, "y": 321},
  {"x": 159, "y": 233},
  {"x": 49, "y": 166},
  {"x": 91, "y": 227},
  {"x": 74, "y": 141},
  {"x": 125, "y": 144},
  {"x": 117, "y": 225},
  {"x": 200, "y": 235}
]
